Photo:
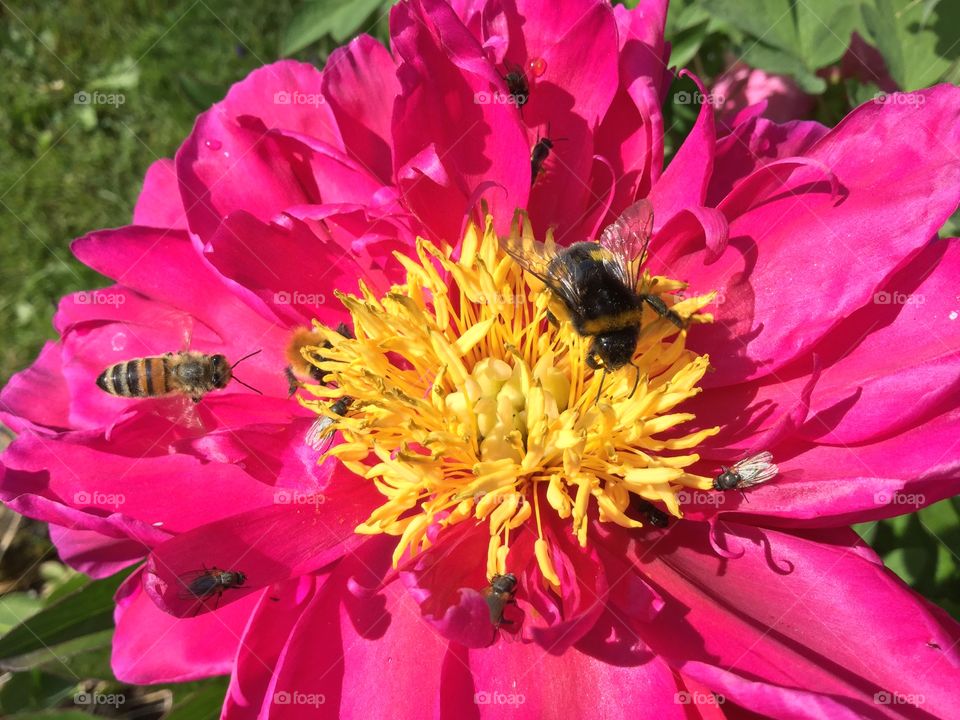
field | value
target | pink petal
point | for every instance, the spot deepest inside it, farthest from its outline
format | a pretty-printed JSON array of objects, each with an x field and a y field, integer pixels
[
  {"x": 301, "y": 534},
  {"x": 159, "y": 203},
  {"x": 831, "y": 486},
  {"x": 829, "y": 630},
  {"x": 94, "y": 554},
  {"x": 151, "y": 647},
  {"x": 285, "y": 95},
  {"x": 443, "y": 72},
  {"x": 360, "y": 84},
  {"x": 19, "y": 408},
  {"x": 226, "y": 165},
  {"x": 776, "y": 238}
]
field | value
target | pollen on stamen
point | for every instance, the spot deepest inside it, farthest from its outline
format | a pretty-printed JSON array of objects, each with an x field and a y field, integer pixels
[{"x": 471, "y": 402}]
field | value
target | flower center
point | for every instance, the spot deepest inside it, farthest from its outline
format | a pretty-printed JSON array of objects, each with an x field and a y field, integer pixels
[{"x": 469, "y": 399}]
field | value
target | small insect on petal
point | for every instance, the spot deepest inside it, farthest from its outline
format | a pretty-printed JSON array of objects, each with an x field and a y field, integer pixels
[{"x": 752, "y": 470}]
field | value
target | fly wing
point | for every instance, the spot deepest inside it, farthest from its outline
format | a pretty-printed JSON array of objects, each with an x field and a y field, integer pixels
[
  {"x": 626, "y": 239},
  {"x": 542, "y": 262},
  {"x": 196, "y": 584},
  {"x": 756, "y": 469}
]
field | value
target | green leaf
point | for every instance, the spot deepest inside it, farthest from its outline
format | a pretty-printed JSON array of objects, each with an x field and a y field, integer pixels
[
  {"x": 910, "y": 563},
  {"x": 334, "y": 18},
  {"x": 17, "y": 607},
  {"x": 34, "y": 690},
  {"x": 200, "y": 701},
  {"x": 80, "y": 614}
]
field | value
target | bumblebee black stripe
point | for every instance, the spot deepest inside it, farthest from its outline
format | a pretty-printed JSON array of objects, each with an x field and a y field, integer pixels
[{"x": 116, "y": 378}]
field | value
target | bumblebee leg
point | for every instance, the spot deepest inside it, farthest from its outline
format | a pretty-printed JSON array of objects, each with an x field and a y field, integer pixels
[
  {"x": 661, "y": 309},
  {"x": 636, "y": 382},
  {"x": 600, "y": 389},
  {"x": 552, "y": 319}
]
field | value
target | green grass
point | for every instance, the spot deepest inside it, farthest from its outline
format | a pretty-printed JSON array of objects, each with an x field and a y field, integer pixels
[{"x": 66, "y": 168}]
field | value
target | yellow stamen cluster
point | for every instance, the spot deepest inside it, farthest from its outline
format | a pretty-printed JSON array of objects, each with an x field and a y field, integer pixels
[{"x": 468, "y": 401}]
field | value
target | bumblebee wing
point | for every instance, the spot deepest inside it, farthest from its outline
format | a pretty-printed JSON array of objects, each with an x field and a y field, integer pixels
[
  {"x": 627, "y": 238},
  {"x": 539, "y": 260},
  {"x": 320, "y": 436},
  {"x": 756, "y": 469}
]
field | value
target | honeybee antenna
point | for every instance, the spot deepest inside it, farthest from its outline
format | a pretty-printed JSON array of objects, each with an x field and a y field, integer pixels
[
  {"x": 251, "y": 387},
  {"x": 255, "y": 352}
]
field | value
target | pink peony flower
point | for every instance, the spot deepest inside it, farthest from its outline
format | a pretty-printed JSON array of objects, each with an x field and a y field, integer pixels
[
  {"x": 819, "y": 245},
  {"x": 742, "y": 86}
]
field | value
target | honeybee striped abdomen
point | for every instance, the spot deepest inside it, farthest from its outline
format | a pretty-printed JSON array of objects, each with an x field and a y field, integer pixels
[{"x": 140, "y": 377}]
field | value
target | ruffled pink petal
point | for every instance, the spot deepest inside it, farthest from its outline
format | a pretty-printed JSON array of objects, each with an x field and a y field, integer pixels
[
  {"x": 360, "y": 84},
  {"x": 798, "y": 626},
  {"x": 755, "y": 143},
  {"x": 159, "y": 204},
  {"x": 300, "y": 534},
  {"x": 173, "y": 492},
  {"x": 94, "y": 554},
  {"x": 810, "y": 236},
  {"x": 444, "y": 73},
  {"x": 19, "y": 409},
  {"x": 513, "y": 678},
  {"x": 151, "y": 647},
  {"x": 269, "y": 629},
  {"x": 226, "y": 165},
  {"x": 285, "y": 95},
  {"x": 684, "y": 182}
]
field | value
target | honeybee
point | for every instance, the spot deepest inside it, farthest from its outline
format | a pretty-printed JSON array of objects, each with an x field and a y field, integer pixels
[
  {"x": 750, "y": 471},
  {"x": 202, "y": 584},
  {"x": 498, "y": 594},
  {"x": 187, "y": 372},
  {"x": 598, "y": 284}
]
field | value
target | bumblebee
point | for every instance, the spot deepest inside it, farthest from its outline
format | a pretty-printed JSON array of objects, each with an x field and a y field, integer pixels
[
  {"x": 654, "y": 516},
  {"x": 203, "y": 584},
  {"x": 598, "y": 284},
  {"x": 498, "y": 594},
  {"x": 187, "y": 372},
  {"x": 750, "y": 471}
]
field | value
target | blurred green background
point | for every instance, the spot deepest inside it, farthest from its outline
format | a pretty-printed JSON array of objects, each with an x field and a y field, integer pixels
[{"x": 69, "y": 168}]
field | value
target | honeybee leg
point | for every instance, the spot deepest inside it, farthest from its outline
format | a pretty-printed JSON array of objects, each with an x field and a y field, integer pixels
[
  {"x": 552, "y": 319},
  {"x": 661, "y": 308}
]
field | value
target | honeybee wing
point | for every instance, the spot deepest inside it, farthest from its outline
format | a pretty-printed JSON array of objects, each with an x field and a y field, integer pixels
[
  {"x": 755, "y": 469},
  {"x": 537, "y": 259},
  {"x": 627, "y": 238}
]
